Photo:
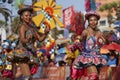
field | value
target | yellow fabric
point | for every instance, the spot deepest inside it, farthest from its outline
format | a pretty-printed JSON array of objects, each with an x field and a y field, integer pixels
[
  {"x": 45, "y": 4},
  {"x": 42, "y": 29},
  {"x": 37, "y": 6},
  {"x": 50, "y": 2},
  {"x": 104, "y": 51},
  {"x": 52, "y": 56},
  {"x": 58, "y": 12},
  {"x": 52, "y": 24},
  {"x": 53, "y": 4},
  {"x": 76, "y": 53},
  {"x": 38, "y": 19}
]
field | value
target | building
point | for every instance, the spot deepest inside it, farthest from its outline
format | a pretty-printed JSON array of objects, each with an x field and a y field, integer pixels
[
  {"x": 102, "y": 2},
  {"x": 104, "y": 21}
]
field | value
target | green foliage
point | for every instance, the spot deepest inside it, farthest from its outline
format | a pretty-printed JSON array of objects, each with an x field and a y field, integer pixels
[
  {"x": 109, "y": 6},
  {"x": 1, "y": 23},
  {"x": 14, "y": 24}
]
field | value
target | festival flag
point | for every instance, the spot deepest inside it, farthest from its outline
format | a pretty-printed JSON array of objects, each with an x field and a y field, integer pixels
[{"x": 68, "y": 15}]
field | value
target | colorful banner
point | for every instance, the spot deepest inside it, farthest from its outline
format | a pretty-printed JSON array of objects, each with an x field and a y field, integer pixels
[
  {"x": 68, "y": 15},
  {"x": 115, "y": 73},
  {"x": 104, "y": 73},
  {"x": 109, "y": 73},
  {"x": 61, "y": 73},
  {"x": 53, "y": 73}
]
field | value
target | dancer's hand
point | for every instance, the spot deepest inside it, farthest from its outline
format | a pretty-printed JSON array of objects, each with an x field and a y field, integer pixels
[{"x": 47, "y": 29}]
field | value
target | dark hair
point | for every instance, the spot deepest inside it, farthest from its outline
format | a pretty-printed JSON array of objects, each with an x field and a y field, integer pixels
[
  {"x": 20, "y": 11},
  {"x": 92, "y": 16},
  {"x": 113, "y": 53}
]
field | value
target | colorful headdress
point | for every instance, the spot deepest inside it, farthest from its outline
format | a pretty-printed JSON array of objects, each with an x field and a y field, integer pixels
[
  {"x": 48, "y": 14},
  {"x": 92, "y": 13}
]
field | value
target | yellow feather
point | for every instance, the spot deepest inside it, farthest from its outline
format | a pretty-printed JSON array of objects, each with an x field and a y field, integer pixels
[{"x": 76, "y": 53}]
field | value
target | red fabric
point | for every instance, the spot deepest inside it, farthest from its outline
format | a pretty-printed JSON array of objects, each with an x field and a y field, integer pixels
[
  {"x": 79, "y": 30},
  {"x": 78, "y": 73},
  {"x": 112, "y": 46},
  {"x": 7, "y": 73},
  {"x": 34, "y": 69},
  {"x": 77, "y": 23}
]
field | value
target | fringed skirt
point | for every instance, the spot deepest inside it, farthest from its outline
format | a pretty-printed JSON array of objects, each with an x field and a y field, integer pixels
[{"x": 89, "y": 58}]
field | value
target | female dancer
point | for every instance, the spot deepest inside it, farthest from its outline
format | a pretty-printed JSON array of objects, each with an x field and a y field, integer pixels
[
  {"x": 28, "y": 34},
  {"x": 93, "y": 40}
]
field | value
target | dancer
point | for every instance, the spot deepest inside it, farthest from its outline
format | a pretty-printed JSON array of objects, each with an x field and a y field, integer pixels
[
  {"x": 93, "y": 39},
  {"x": 28, "y": 34}
]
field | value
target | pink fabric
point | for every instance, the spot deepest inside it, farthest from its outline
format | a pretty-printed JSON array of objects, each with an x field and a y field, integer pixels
[
  {"x": 7, "y": 73},
  {"x": 78, "y": 73},
  {"x": 34, "y": 70}
]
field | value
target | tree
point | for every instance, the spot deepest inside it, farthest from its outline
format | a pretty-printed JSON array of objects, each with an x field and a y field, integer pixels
[
  {"x": 118, "y": 13},
  {"x": 1, "y": 23},
  {"x": 14, "y": 24},
  {"x": 108, "y": 8}
]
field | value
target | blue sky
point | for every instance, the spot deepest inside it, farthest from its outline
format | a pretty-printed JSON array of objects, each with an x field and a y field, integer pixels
[{"x": 78, "y": 5}]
